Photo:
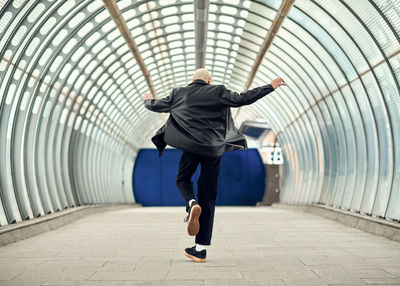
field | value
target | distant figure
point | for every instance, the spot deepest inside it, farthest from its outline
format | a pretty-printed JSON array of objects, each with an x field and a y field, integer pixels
[{"x": 201, "y": 125}]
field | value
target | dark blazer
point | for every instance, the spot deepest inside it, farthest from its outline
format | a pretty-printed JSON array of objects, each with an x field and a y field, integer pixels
[{"x": 200, "y": 118}]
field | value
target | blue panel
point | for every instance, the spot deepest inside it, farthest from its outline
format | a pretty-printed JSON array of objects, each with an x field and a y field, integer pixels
[
  {"x": 256, "y": 177},
  {"x": 241, "y": 180},
  {"x": 231, "y": 181},
  {"x": 147, "y": 178}
]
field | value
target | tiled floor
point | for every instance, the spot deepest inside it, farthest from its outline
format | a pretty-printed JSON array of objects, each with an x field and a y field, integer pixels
[{"x": 251, "y": 246}]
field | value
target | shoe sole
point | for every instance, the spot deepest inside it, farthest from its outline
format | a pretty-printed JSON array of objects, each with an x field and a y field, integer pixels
[
  {"x": 194, "y": 258},
  {"x": 193, "y": 223}
]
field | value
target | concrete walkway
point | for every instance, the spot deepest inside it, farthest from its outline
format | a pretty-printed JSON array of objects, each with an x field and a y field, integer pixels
[{"x": 251, "y": 246}]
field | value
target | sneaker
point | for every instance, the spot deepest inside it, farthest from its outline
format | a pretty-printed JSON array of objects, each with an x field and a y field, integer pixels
[
  {"x": 193, "y": 219},
  {"x": 196, "y": 256}
]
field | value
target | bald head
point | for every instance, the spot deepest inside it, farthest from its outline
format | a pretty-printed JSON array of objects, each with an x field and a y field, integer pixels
[{"x": 202, "y": 74}]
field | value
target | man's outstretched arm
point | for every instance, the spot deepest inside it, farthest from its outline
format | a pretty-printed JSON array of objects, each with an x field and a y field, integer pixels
[
  {"x": 235, "y": 99},
  {"x": 158, "y": 105}
]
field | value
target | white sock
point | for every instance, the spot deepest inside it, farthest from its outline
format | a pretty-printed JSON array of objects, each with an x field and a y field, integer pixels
[
  {"x": 191, "y": 201},
  {"x": 200, "y": 247}
]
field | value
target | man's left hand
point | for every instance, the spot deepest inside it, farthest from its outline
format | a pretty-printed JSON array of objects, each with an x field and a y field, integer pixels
[{"x": 278, "y": 82}]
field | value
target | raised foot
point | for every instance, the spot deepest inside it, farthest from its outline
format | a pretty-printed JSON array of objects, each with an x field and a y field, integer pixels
[{"x": 193, "y": 223}]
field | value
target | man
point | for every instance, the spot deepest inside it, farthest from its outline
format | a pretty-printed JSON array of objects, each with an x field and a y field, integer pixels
[{"x": 200, "y": 124}]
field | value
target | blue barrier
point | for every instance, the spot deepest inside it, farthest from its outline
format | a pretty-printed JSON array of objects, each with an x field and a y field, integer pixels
[{"x": 241, "y": 181}]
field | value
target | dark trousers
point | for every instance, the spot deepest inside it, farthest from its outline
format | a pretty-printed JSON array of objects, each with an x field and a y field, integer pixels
[{"x": 207, "y": 189}]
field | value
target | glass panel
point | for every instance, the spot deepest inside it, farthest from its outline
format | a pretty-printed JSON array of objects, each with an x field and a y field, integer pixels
[
  {"x": 391, "y": 135},
  {"x": 325, "y": 159},
  {"x": 358, "y": 178},
  {"x": 367, "y": 194},
  {"x": 393, "y": 210},
  {"x": 354, "y": 28},
  {"x": 324, "y": 39},
  {"x": 384, "y": 148},
  {"x": 333, "y": 171},
  {"x": 370, "y": 16},
  {"x": 350, "y": 170}
]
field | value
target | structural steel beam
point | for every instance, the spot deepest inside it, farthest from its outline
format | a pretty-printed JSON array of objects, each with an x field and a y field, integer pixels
[
  {"x": 126, "y": 34},
  {"x": 276, "y": 24},
  {"x": 269, "y": 38},
  {"x": 200, "y": 27}
]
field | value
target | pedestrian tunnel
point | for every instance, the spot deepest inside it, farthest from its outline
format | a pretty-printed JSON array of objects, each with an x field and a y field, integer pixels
[{"x": 72, "y": 123}]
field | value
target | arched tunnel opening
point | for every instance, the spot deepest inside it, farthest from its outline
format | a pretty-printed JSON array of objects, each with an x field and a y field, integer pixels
[{"x": 79, "y": 81}]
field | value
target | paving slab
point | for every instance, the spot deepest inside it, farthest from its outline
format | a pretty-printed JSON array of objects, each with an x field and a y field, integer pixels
[{"x": 251, "y": 246}]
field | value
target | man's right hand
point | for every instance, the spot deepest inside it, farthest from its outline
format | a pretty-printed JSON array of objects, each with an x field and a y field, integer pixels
[
  {"x": 146, "y": 96},
  {"x": 278, "y": 82}
]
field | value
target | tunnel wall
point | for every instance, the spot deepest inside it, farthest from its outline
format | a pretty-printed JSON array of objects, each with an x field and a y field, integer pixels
[
  {"x": 338, "y": 120},
  {"x": 71, "y": 120},
  {"x": 57, "y": 148}
]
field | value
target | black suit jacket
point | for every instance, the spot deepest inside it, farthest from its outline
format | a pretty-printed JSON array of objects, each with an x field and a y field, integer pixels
[{"x": 200, "y": 118}]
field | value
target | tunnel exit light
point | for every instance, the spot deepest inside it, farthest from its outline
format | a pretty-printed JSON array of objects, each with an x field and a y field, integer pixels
[{"x": 271, "y": 155}]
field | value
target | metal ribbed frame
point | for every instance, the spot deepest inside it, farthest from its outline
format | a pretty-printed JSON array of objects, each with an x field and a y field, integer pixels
[{"x": 337, "y": 121}]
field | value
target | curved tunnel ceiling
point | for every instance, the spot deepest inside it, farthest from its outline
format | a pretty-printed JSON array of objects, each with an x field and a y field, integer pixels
[{"x": 71, "y": 86}]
